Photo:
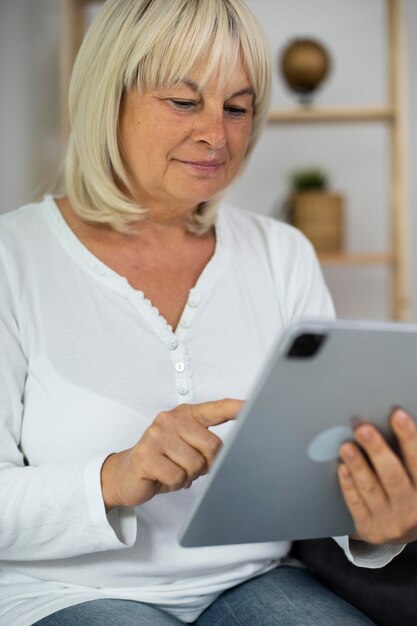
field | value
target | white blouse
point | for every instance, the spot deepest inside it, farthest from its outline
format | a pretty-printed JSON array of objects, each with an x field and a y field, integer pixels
[{"x": 86, "y": 363}]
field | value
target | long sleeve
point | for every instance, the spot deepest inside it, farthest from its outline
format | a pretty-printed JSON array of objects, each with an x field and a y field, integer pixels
[
  {"x": 51, "y": 511},
  {"x": 367, "y": 555}
]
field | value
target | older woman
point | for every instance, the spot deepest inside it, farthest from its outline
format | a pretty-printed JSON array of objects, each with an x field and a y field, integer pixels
[{"x": 131, "y": 309}]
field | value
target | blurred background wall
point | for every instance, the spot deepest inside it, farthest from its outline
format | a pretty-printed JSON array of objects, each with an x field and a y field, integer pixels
[{"x": 354, "y": 155}]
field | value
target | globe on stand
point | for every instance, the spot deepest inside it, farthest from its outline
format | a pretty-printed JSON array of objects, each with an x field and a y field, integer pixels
[{"x": 304, "y": 64}]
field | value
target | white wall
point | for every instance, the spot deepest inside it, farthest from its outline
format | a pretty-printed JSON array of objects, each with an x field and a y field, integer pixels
[
  {"x": 29, "y": 100},
  {"x": 354, "y": 155}
]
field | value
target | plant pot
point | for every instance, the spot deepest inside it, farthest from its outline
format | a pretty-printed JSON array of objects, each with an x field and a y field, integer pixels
[{"x": 319, "y": 215}]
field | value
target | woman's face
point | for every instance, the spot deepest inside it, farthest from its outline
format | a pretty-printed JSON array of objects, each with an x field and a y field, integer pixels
[{"x": 181, "y": 146}]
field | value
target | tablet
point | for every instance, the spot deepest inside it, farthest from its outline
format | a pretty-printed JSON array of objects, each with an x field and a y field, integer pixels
[{"x": 275, "y": 477}]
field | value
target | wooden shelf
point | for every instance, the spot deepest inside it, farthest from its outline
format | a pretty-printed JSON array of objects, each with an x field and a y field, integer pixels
[
  {"x": 335, "y": 114},
  {"x": 355, "y": 258}
]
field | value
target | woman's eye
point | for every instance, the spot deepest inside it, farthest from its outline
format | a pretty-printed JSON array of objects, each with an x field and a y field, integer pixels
[
  {"x": 236, "y": 111},
  {"x": 183, "y": 105}
]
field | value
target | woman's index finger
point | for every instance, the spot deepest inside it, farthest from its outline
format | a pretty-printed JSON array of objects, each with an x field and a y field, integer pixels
[{"x": 216, "y": 412}]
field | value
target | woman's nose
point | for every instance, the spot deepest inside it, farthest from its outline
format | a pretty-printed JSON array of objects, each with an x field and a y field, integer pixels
[{"x": 210, "y": 128}]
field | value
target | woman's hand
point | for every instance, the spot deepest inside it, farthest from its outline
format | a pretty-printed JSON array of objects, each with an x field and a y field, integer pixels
[
  {"x": 175, "y": 450},
  {"x": 382, "y": 497}
]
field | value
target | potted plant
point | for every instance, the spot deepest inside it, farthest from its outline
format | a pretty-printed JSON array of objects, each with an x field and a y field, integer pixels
[{"x": 316, "y": 211}]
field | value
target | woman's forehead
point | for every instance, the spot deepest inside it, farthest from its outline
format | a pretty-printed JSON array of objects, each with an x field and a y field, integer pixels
[{"x": 230, "y": 78}]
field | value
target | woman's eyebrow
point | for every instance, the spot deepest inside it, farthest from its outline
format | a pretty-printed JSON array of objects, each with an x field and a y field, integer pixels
[
  {"x": 191, "y": 84},
  {"x": 242, "y": 92}
]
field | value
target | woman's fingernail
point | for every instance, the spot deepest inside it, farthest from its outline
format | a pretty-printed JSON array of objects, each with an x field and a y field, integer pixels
[
  {"x": 365, "y": 433},
  {"x": 401, "y": 418},
  {"x": 348, "y": 451}
]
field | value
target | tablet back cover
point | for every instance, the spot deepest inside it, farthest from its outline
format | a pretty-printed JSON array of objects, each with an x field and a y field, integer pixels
[{"x": 275, "y": 477}]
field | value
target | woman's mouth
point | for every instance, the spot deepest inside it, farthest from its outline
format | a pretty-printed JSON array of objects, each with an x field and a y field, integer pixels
[{"x": 203, "y": 167}]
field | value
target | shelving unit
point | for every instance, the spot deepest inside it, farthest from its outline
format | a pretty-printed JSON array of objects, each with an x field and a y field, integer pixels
[{"x": 393, "y": 114}]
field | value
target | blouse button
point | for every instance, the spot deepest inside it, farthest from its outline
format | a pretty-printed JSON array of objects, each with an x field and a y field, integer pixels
[
  {"x": 180, "y": 366},
  {"x": 194, "y": 301},
  {"x": 183, "y": 391},
  {"x": 173, "y": 344},
  {"x": 185, "y": 323}
]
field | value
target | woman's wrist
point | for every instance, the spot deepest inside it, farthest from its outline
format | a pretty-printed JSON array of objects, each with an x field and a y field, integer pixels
[{"x": 108, "y": 481}]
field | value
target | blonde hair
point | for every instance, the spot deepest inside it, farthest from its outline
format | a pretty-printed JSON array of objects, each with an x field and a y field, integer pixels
[{"x": 147, "y": 44}]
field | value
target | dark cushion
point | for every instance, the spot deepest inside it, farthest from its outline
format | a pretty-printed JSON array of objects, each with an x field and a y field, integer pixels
[{"x": 388, "y": 595}]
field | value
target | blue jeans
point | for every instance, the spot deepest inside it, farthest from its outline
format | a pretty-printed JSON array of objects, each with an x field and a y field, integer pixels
[{"x": 285, "y": 596}]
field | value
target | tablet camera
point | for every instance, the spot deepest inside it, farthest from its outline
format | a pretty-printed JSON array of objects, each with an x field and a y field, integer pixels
[{"x": 306, "y": 346}]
